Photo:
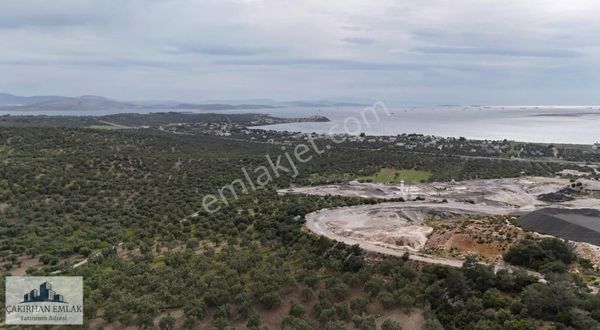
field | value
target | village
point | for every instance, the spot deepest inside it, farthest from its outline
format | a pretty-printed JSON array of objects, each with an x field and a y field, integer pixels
[{"x": 403, "y": 142}]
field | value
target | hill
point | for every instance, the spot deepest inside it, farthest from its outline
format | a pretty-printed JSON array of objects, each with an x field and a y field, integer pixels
[
  {"x": 87, "y": 102},
  {"x": 92, "y": 103},
  {"x": 218, "y": 106},
  {"x": 15, "y": 100}
]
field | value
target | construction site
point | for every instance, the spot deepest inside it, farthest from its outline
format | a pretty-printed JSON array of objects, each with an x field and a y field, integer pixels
[{"x": 452, "y": 219}]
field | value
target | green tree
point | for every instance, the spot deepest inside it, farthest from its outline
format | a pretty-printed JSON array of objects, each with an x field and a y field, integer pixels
[
  {"x": 359, "y": 305},
  {"x": 335, "y": 325},
  {"x": 389, "y": 324},
  {"x": 386, "y": 299},
  {"x": 364, "y": 322},
  {"x": 167, "y": 322},
  {"x": 296, "y": 310},
  {"x": 270, "y": 300}
]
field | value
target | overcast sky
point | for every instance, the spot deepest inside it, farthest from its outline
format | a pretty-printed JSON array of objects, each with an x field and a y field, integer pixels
[{"x": 407, "y": 52}]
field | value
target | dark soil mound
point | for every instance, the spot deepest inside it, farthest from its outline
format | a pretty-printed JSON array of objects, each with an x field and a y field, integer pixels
[
  {"x": 581, "y": 225},
  {"x": 563, "y": 195},
  {"x": 555, "y": 197}
]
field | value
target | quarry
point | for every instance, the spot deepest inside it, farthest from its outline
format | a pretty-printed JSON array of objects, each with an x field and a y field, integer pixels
[{"x": 452, "y": 219}]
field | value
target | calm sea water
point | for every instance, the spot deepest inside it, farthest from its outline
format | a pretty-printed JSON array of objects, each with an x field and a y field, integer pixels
[
  {"x": 577, "y": 125},
  {"x": 546, "y": 124}
]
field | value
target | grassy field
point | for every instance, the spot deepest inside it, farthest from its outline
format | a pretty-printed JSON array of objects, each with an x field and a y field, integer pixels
[
  {"x": 391, "y": 175},
  {"x": 109, "y": 127}
]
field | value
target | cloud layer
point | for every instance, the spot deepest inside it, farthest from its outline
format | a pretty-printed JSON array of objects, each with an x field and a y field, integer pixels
[{"x": 408, "y": 52}]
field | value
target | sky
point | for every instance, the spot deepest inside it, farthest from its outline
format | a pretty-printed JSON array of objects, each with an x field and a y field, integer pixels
[{"x": 403, "y": 52}]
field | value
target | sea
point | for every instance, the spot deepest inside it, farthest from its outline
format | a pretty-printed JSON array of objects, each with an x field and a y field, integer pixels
[{"x": 542, "y": 124}]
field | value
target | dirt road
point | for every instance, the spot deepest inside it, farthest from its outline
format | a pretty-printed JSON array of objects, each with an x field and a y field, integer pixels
[{"x": 318, "y": 227}]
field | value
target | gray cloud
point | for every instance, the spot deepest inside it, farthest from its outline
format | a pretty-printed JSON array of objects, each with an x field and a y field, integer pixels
[
  {"x": 51, "y": 14},
  {"x": 436, "y": 51},
  {"x": 497, "y": 51},
  {"x": 220, "y": 50},
  {"x": 349, "y": 65},
  {"x": 359, "y": 41},
  {"x": 327, "y": 64},
  {"x": 41, "y": 21},
  {"x": 92, "y": 62}
]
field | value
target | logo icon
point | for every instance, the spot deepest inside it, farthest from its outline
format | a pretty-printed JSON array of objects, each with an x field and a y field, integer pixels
[
  {"x": 45, "y": 294},
  {"x": 43, "y": 300}
]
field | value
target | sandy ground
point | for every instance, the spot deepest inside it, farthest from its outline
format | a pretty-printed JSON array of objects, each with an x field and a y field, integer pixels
[
  {"x": 516, "y": 192},
  {"x": 398, "y": 227},
  {"x": 394, "y": 225},
  {"x": 588, "y": 251},
  {"x": 401, "y": 224},
  {"x": 315, "y": 223},
  {"x": 590, "y": 184}
]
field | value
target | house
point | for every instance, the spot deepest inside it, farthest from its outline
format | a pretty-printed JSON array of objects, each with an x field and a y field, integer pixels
[{"x": 596, "y": 146}]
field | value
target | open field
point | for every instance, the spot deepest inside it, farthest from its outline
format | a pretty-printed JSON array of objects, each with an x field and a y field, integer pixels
[
  {"x": 518, "y": 193},
  {"x": 392, "y": 175},
  {"x": 108, "y": 127}
]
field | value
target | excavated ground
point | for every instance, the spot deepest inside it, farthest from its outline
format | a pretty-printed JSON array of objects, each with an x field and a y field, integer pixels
[{"x": 403, "y": 226}]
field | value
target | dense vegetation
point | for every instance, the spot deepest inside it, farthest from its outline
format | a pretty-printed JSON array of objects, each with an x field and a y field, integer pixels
[
  {"x": 546, "y": 254},
  {"x": 130, "y": 200}
]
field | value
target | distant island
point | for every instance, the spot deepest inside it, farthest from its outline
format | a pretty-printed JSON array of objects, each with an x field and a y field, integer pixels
[
  {"x": 92, "y": 103},
  {"x": 10, "y": 102}
]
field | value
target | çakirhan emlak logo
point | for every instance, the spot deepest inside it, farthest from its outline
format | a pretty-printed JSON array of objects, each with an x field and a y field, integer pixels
[
  {"x": 57, "y": 300},
  {"x": 45, "y": 294}
]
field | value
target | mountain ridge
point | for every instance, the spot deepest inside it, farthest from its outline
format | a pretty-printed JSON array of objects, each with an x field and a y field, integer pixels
[{"x": 10, "y": 102}]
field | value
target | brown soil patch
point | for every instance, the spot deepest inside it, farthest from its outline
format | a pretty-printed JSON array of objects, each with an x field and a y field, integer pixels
[
  {"x": 466, "y": 244},
  {"x": 489, "y": 238},
  {"x": 25, "y": 263}
]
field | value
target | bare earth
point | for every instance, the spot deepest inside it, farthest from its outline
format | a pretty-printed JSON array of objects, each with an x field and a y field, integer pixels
[{"x": 398, "y": 227}]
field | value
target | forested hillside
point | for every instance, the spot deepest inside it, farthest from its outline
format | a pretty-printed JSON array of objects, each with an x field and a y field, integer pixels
[{"x": 130, "y": 201}]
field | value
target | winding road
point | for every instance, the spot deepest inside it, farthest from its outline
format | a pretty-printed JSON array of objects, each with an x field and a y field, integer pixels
[{"x": 319, "y": 228}]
